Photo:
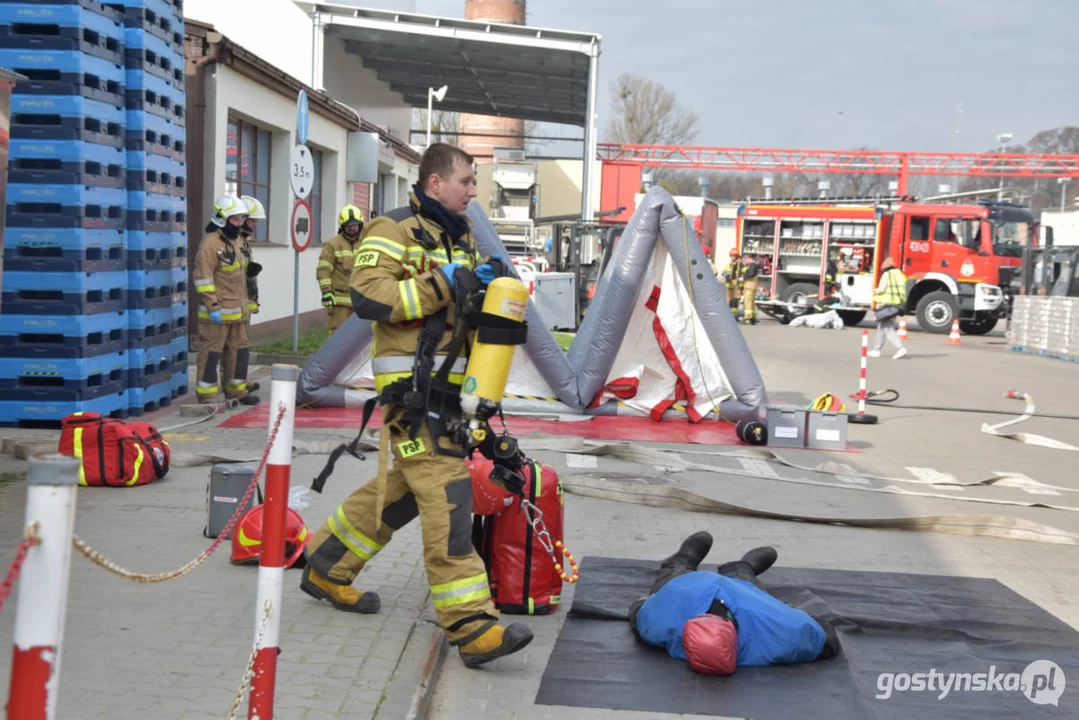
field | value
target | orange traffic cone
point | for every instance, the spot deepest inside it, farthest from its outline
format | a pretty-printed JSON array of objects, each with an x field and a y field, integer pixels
[
  {"x": 902, "y": 328},
  {"x": 953, "y": 336}
]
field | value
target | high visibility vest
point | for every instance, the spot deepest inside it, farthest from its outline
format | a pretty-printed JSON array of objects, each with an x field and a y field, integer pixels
[{"x": 895, "y": 289}]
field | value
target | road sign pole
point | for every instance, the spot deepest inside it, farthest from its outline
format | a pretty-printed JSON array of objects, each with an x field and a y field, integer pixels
[
  {"x": 301, "y": 177},
  {"x": 296, "y": 301}
]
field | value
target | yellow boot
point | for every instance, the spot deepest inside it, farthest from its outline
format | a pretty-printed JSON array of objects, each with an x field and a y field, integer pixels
[
  {"x": 496, "y": 642},
  {"x": 342, "y": 597}
]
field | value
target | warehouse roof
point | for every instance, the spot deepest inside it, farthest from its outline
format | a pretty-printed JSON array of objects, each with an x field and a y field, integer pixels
[{"x": 491, "y": 69}]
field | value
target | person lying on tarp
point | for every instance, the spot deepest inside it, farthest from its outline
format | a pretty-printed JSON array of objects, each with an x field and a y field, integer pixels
[{"x": 720, "y": 620}]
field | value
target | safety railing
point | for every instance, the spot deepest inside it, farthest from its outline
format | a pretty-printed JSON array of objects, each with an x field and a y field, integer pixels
[{"x": 42, "y": 566}]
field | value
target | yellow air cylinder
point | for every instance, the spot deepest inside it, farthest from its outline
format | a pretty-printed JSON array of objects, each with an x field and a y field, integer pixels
[{"x": 489, "y": 364}]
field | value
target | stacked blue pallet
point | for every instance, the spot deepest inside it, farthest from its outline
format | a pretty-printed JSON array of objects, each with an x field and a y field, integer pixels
[
  {"x": 63, "y": 310},
  {"x": 156, "y": 199}
]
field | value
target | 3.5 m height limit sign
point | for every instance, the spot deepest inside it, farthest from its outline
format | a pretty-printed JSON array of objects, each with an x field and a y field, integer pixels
[{"x": 301, "y": 223}]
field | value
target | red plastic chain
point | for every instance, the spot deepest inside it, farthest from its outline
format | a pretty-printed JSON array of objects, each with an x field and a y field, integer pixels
[
  {"x": 101, "y": 561},
  {"x": 28, "y": 542},
  {"x": 227, "y": 531}
]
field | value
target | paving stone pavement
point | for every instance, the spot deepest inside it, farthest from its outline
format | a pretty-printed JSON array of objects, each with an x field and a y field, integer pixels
[{"x": 177, "y": 650}]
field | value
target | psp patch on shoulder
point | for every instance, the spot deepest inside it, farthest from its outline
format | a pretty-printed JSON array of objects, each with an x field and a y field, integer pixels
[{"x": 368, "y": 258}]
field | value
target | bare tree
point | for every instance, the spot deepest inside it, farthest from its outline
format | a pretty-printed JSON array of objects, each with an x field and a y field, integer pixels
[
  {"x": 645, "y": 112},
  {"x": 445, "y": 127}
]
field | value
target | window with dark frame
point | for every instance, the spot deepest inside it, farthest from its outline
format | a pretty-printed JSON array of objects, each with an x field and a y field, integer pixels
[{"x": 247, "y": 162}]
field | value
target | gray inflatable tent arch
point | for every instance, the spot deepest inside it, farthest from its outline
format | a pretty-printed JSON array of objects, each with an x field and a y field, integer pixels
[{"x": 578, "y": 375}]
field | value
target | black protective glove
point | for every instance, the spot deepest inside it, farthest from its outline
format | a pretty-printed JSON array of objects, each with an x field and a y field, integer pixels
[
  {"x": 253, "y": 269},
  {"x": 252, "y": 288},
  {"x": 327, "y": 300}
]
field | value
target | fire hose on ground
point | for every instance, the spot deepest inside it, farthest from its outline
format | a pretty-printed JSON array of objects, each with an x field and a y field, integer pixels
[{"x": 889, "y": 397}]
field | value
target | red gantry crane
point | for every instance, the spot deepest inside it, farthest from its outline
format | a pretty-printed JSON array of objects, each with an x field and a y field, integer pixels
[{"x": 873, "y": 162}]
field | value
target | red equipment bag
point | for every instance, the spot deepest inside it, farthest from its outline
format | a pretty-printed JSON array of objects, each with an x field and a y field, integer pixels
[
  {"x": 520, "y": 571},
  {"x": 113, "y": 452}
]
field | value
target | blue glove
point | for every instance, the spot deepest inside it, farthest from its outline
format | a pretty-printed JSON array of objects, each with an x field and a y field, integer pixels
[
  {"x": 485, "y": 273},
  {"x": 215, "y": 317},
  {"x": 447, "y": 271}
]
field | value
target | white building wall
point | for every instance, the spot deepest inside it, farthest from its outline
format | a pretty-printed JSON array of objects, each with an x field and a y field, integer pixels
[
  {"x": 348, "y": 81},
  {"x": 241, "y": 97},
  {"x": 278, "y": 31}
]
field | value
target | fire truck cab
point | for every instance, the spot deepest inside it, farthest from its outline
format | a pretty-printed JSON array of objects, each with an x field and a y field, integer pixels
[{"x": 960, "y": 260}]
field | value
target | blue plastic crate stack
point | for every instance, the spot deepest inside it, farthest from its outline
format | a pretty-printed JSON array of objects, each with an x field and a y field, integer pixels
[
  {"x": 156, "y": 201},
  {"x": 94, "y": 253}
]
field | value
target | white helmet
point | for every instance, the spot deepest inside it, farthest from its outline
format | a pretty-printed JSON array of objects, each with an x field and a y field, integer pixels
[
  {"x": 255, "y": 210},
  {"x": 225, "y": 207}
]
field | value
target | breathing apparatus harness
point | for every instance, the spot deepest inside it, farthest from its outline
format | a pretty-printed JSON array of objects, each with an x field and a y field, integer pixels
[{"x": 427, "y": 396}]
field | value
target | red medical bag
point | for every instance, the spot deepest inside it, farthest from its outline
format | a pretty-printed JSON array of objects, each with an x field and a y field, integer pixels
[
  {"x": 114, "y": 452},
  {"x": 520, "y": 570}
]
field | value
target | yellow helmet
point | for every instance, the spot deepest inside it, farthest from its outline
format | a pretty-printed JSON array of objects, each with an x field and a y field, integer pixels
[{"x": 350, "y": 213}]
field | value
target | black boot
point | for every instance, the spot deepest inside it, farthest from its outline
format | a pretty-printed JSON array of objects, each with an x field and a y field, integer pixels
[
  {"x": 760, "y": 559},
  {"x": 695, "y": 548},
  {"x": 687, "y": 559},
  {"x": 250, "y": 400}
]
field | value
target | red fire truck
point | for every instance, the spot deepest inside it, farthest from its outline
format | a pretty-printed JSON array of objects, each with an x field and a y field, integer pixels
[{"x": 960, "y": 260}]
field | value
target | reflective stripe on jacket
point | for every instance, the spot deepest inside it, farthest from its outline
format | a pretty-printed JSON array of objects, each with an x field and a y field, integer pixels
[
  {"x": 220, "y": 278},
  {"x": 396, "y": 284},
  {"x": 335, "y": 264}
]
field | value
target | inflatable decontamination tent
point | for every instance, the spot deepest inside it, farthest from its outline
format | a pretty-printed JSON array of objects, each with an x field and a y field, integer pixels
[{"x": 658, "y": 339}]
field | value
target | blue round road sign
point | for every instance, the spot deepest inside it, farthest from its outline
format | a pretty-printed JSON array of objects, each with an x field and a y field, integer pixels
[{"x": 303, "y": 117}]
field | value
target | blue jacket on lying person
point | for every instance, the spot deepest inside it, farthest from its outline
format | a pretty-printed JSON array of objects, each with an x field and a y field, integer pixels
[{"x": 717, "y": 621}]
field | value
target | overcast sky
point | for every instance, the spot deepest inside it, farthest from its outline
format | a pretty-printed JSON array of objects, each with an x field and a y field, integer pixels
[{"x": 825, "y": 74}]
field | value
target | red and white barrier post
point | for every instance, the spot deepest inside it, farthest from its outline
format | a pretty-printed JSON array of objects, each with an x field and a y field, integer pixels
[
  {"x": 861, "y": 417},
  {"x": 272, "y": 559},
  {"x": 52, "y": 483}
]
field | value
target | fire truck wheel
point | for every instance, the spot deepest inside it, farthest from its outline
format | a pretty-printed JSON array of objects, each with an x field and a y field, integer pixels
[
  {"x": 802, "y": 294},
  {"x": 980, "y": 325},
  {"x": 936, "y": 312}
]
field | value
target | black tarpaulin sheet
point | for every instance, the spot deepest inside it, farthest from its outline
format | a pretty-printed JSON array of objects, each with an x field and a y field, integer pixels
[{"x": 901, "y": 634}]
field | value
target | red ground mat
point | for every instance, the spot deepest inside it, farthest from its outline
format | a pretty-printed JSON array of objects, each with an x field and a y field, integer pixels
[{"x": 631, "y": 429}]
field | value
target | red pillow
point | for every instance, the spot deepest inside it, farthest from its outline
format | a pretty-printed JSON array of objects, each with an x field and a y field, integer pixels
[{"x": 711, "y": 645}]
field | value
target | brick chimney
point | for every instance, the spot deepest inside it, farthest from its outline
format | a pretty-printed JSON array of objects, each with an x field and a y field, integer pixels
[{"x": 494, "y": 129}]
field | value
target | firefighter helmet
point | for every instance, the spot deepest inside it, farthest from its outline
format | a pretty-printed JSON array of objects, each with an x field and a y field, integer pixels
[
  {"x": 227, "y": 206},
  {"x": 247, "y": 537},
  {"x": 255, "y": 209},
  {"x": 734, "y": 252},
  {"x": 350, "y": 214}
]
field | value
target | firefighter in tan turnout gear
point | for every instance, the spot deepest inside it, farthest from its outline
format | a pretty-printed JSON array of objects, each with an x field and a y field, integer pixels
[
  {"x": 220, "y": 280},
  {"x": 335, "y": 265},
  {"x": 410, "y": 266},
  {"x": 255, "y": 212}
]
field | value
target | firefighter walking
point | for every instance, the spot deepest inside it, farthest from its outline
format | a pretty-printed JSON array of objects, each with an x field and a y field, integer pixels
[
  {"x": 221, "y": 283},
  {"x": 335, "y": 265},
  {"x": 407, "y": 268}
]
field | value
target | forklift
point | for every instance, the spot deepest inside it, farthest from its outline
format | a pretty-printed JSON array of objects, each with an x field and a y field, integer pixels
[{"x": 583, "y": 249}]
